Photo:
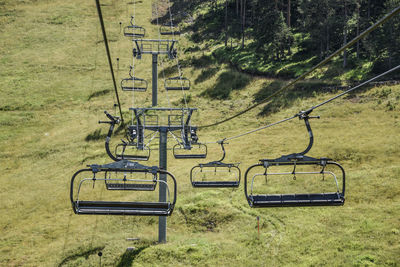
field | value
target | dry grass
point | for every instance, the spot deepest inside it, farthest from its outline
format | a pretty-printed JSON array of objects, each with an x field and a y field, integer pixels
[{"x": 52, "y": 61}]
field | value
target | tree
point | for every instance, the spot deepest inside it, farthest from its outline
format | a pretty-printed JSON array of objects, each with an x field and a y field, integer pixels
[
  {"x": 345, "y": 34},
  {"x": 243, "y": 20},
  {"x": 226, "y": 22}
]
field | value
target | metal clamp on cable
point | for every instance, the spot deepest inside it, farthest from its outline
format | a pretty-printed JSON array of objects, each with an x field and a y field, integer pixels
[
  {"x": 113, "y": 119},
  {"x": 306, "y": 114}
]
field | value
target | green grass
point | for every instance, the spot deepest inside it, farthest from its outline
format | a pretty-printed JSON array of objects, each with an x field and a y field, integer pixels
[{"x": 53, "y": 62}]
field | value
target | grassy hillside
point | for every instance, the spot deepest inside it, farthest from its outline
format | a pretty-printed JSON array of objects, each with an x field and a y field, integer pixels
[{"x": 54, "y": 87}]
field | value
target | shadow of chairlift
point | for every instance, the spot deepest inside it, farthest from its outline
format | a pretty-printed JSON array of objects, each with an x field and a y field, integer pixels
[
  {"x": 140, "y": 208},
  {"x": 169, "y": 29},
  {"x": 177, "y": 83},
  {"x": 133, "y": 83},
  {"x": 226, "y": 174},
  {"x": 297, "y": 159},
  {"x": 134, "y": 30}
]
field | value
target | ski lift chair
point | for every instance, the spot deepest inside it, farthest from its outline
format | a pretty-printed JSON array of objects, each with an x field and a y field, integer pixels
[
  {"x": 82, "y": 206},
  {"x": 134, "y": 30},
  {"x": 169, "y": 29},
  {"x": 132, "y": 151},
  {"x": 226, "y": 174},
  {"x": 177, "y": 83},
  {"x": 133, "y": 83},
  {"x": 189, "y": 148},
  {"x": 333, "y": 198}
]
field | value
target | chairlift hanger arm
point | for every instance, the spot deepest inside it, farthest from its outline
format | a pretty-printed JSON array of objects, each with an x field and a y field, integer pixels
[
  {"x": 223, "y": 150},
  {"x": 306, "y": 118},
  {"x": 113, "y": 120}
]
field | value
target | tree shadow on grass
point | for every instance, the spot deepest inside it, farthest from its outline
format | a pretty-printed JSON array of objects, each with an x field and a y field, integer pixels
[
  {"x": 99, "y": 93},
  {"x": 168, "y": 71},
  {"x": 84, "y": 254},
  {"x": 287, "y": 98},
  {"x": 206, "y": 74},
  {"x": 129, "y": 256},
  {"x": 227, "y": 82}
]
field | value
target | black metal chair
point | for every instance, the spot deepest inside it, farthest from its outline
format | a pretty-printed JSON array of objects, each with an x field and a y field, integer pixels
[
  {"x": 225, "y": 174},
  {"x": 134, "y": 30},
  {"x": 143, "y": 208},
  {"x": 335, "y": 198}
]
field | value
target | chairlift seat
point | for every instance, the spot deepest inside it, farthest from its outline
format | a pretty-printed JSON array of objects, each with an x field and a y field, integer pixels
[
  {"x": 191, "y": 156},
  {"x": 130, "y": 186},
  {"x": 123, "y": 208},
  {"x": 296, "y": 200}
]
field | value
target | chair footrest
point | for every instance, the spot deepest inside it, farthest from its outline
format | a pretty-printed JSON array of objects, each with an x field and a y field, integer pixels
[
  {"x": 192, "y": 156},
  {"x": 132, "y": 157},
  {"x": 137, "y": 187},
  {"x": 177, "y": 88},
  {"x": 127, "y": 88},
  {"x": 123, "y": 208},
  {"x": 140, "y": 35},
  {"x": 215, "y": 184},
  {"x": 295, "y": 200}
]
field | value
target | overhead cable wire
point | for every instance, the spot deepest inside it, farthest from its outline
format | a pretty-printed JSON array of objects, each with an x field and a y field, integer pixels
[
  {"x": 162, "y": 59},
  {"x": 109, "y": 56},
  {"x": 354, "y": 88},
  {"x": 259, "y": 129},
  {"x": 133, "y": 57},
  {"x": 308, "y": 111},
  {"x": 180, "y": 73},
  {"x": 323, "y": 62}
]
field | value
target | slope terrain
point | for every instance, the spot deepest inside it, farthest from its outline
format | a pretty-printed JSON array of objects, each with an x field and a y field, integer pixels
[{"x": 55, "y": 85}]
